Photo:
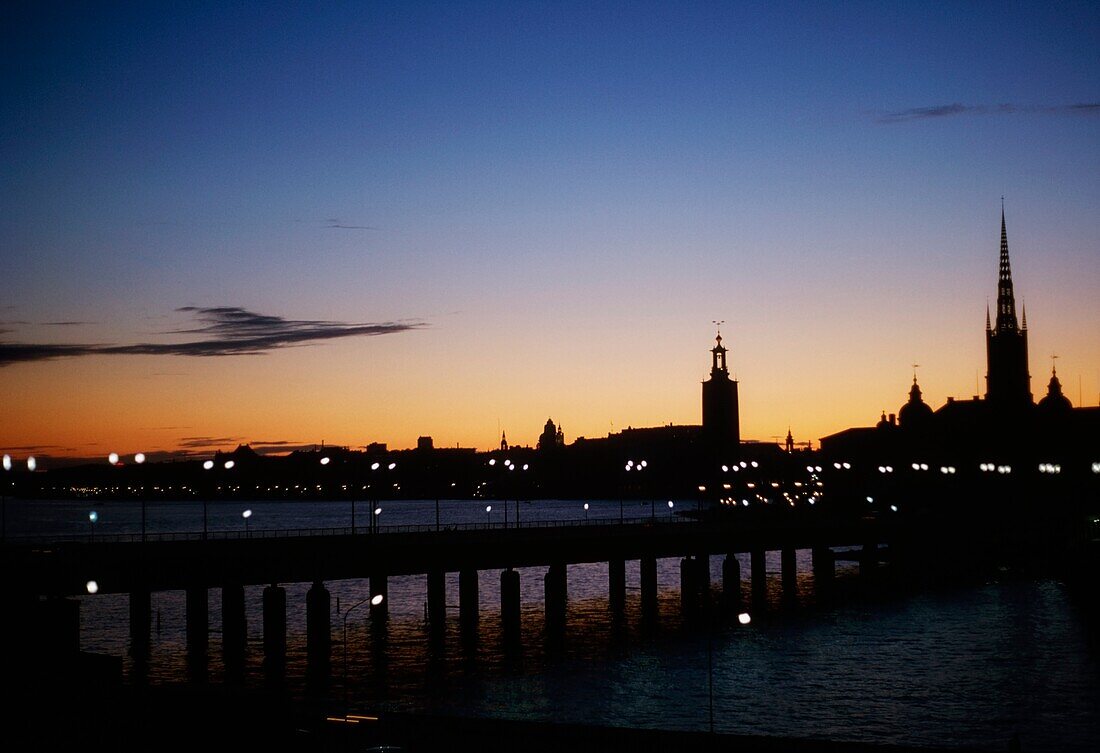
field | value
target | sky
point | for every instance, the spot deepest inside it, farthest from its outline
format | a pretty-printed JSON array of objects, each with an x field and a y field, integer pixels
[{"x": 287, "y": 223}]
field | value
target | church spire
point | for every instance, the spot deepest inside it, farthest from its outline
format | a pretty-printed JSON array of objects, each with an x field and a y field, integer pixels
[
  {"x": 718, "y": 355},
  {"x": 1006, "y": 300}
]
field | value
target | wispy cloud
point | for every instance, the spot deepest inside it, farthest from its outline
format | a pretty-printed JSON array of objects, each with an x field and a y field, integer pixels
[
  {"x": 223, "y": 331},
  {"x": 336, "y": 222},
  {"x": 956, "y": 108},
  {"x": 203, "y": 442}
]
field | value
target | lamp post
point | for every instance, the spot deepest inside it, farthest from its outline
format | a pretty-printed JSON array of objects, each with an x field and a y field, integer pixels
[
  {"x": 246, "y": 515},
  {"x": 375, "y": 601},
  {"x": 585, "y": 512},
  {"x": 4, "y": 500},
  {"x": 670, "y": 509},
  {"x": 93, "y": 516},
  {"x": 139, "y": 458},
  {"x": 488, "y": 509},
  {"x": 206, "y": 466}
]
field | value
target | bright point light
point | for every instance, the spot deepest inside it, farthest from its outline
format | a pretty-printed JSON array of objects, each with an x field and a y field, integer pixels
[
  {"x": 391, "y": 466},
  {"x": 870, "y": 499},
  {"x": 488, "y": 508},
  {"x": 229, "y": 464},
  {"x": 670, "y": 504},
  {"x": 377, "y": 599},
  {"x": 643, "y": 464},
  {"x": 757, "y": 465},
  {"x": 837, "y": 466},
  {"x": 893, "y": 508},
  {"x": 916, "y": 466},
  {"x": 725, "y": 469},
  {"x": 847, "y": 466},
  {"x": 810, "y": 468},
  {"x": 374, "y": 466},
  {"x": 324, "y": 461},
  {"x": 91, "y": 586},
  {"x": 492, "y": 461},
  {"x": 924, "y": 466},
  {"x": 1095, "y": 466},
  {"x": 139, "y": 458},
  {"x": 744, "y": 618},
  {"x": 113, "y": 458},
  {"x": 743, "y": 464},
  {"x": 630, "y": 464},
  {"x": 246, "y": 514},
  {"x": 744, "y": 503},
  {"x": 702, "y": 488},
  {"x": 889, "y": 469},
  {"x": 378, "y": 511},
  {"x": 7, "y": 463},
  {"x": 507, "y": 461},
  {"x": 93, "y": 516},
  {"x": 32, "y": 464},
  {"x": 525, "y": 466},
  {"x": 586, "y": 507},
  {"x": 208, "y": 465}
]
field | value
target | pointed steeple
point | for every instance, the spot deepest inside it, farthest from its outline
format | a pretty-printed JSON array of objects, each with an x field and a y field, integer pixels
[
  {"x": 988, "y": 326},
  {"x": 1006, "y": 300}
]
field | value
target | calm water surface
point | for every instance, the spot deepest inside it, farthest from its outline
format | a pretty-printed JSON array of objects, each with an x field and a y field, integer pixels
[{"x": 969, "y": 665}]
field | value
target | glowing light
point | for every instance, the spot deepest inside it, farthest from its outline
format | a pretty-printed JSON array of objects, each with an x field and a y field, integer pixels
[
  {"x": 32, "y": 464},
  {"x": 743, "y": 464},
  {"x": 924, "y": 466},
  {"x": 702, "y": 488},
  {"x": 725, "y": 469},
  {"x": 893, "y": 508},
  {"x": 629, "y": 464},
  {"x": 1095, "y": 466},
  {"x": 91, "y": 586},
  {"x": 377, "y": 599},
  {"x": 7, "y": 463},
  {"x": 525, "y": 466},
  {"x": 229, "y": 464},
  {"x": 113, "y": 458},
  {"x": 488, "y": 508},
  {"x": 847, "y": 466},
  {"x": 378, "y": 511},
  {"x": 374, "y": 466},
  {"x": 754, "y": 464},
  {"x": 810, "y": 468},
  {"x": 324, "y": 461},
  {"x": 139, "y": 458},
  {"x": 837, "y": 466},
  {"x": 643, "y": 464},
  {"x": 870, "y": 499},
  {"x": 206, "y": 466},
  {"x": 744, "y": 618},
  {"x": 670, "y": 504},
  {"x": 246, "y": 514},
  {"x": 916, "y": 466},
  {"x": 586, "y": 507},
  {"x": 391, "y": 466},
  {"x": 93, "y": 516}
]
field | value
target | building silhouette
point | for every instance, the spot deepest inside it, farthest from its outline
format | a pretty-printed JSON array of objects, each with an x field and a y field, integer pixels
[
  {"x": 1006, "y": 426},
  {"x": 721, "y": 421},
  {"x": 1007, "y": 379}
]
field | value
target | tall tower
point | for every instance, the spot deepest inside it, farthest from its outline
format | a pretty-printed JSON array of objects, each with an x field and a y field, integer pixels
[
  {"x": 1007, "y": 380},
  {"x": 721, "y": 424}
]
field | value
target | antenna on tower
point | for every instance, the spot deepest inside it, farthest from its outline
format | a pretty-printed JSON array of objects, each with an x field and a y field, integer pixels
[{"x": 718, "y": 323}]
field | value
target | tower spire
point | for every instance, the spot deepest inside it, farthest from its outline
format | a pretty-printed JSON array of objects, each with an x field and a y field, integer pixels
[{"x": 1006, "y": 300}]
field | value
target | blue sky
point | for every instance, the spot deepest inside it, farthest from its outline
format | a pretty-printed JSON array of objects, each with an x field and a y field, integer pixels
[{"x": 564, "y": 195}]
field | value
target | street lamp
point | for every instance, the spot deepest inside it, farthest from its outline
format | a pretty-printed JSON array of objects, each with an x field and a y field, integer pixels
[
  {"x": 374, "y": 518},
  {"x": 93, "y": 516},
  {"x": 585, "y": 512},
  {"x": 206, "y": 466},
  {"x": 374, "y": 601},
  {"x": 670, "y": 509},
  {"x": 488, "y": 509},
  {"x": 246, "y": 515},
  {"x": 139, "y": 458}
]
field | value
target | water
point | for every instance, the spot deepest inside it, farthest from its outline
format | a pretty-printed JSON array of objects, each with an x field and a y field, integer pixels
[{"x": 964, "y": 666}]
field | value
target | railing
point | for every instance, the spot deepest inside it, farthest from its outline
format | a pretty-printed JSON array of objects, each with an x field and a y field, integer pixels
[{"x": 280, "y": 533}]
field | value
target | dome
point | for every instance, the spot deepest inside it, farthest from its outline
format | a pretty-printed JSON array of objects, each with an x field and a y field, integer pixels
[
  {"x": 1054, "y": 400},
  {"x": 916, "y": 411}
]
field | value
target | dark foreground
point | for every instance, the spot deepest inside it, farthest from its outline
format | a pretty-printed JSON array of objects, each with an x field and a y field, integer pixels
[{"x": 86, "y": 708}]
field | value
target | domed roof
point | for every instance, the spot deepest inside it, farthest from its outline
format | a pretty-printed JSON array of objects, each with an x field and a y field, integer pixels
[
  {"x": 1054, "y": 400},
  {"x": 916, "y": 411}
]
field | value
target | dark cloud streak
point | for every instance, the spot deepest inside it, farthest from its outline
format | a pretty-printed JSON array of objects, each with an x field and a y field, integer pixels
[
  {"x": 226, "y": 331},
  {"x": 956, "y": 108}
]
